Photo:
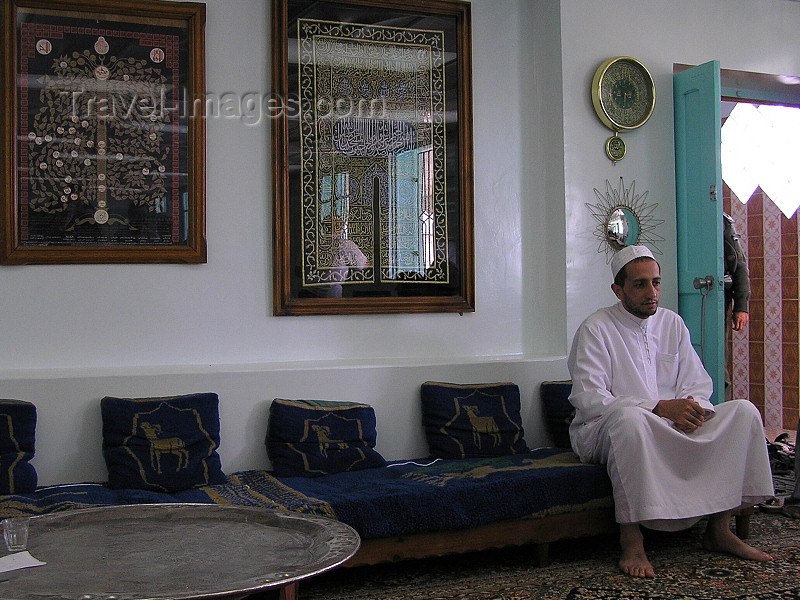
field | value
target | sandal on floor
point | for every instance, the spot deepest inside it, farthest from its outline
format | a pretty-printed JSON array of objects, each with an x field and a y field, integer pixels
[{"x": 773, "y": 505}]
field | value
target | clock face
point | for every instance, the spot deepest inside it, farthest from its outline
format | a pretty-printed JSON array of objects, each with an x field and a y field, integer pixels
[{"x": 623, "y": 93}]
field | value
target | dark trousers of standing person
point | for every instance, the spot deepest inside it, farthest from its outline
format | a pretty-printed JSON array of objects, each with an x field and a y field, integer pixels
[{"x": 727, "y": 354}]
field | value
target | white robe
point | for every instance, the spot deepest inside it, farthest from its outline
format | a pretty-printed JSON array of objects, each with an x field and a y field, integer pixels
[{"x": 621, "y": 366}]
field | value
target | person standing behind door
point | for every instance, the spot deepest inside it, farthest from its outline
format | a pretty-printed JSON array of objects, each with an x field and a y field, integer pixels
[{"x": 737, "y": 289}]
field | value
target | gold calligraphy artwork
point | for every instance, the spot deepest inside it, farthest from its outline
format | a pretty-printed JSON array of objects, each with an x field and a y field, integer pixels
[{"x": 373, "y": 155}]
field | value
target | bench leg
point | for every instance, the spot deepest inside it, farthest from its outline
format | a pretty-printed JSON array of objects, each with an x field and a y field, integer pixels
[
  {"x": 288, "y": 592},
  {"x": 541, "y": 554},
  {"x": 742, "y": 526},
  {"x": 742, "y": 518}
]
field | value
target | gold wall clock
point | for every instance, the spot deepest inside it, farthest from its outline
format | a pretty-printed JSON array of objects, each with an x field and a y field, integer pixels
[{"x": 623, "y": 96}]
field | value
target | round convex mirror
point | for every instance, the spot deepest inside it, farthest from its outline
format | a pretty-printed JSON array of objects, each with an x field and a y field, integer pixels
[{"x": 622, "y": 228}]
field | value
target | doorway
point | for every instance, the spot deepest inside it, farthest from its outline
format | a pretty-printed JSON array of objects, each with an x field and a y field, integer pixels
[{"x": 764, "y": 358}]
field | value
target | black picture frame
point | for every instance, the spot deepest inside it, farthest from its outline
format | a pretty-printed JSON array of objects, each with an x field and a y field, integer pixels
[{"x": 372, "y": 157}]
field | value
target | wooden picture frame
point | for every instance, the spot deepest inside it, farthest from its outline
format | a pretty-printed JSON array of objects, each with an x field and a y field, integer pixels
[
  {"x": 103, "y": 122},
  {"x": 372, "y": 157}
]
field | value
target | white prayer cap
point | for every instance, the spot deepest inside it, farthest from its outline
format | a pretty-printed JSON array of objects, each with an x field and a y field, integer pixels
[{"x": 626, "y": 255}]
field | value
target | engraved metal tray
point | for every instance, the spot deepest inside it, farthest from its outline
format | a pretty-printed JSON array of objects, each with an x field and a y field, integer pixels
[{"x": 174, "y": 551}]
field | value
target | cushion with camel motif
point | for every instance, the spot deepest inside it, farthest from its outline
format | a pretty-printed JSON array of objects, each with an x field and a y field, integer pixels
[
  {"x": 162, "y": 444},
  {"x": 309, "y": 438},
  {"x": 472, "y": 420}
]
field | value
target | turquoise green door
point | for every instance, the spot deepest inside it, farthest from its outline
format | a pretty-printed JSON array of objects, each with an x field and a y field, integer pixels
[{"x": 698, "y": 177}]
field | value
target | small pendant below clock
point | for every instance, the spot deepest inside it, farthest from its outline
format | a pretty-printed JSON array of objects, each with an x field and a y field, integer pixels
[{"x": 615, "y": 148}]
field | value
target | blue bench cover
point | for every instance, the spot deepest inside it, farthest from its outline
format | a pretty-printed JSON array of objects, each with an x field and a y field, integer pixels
[{"x": 402, "y": 498}]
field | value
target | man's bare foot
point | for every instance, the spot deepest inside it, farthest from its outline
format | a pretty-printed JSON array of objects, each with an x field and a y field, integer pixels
[
  {"x": 633, "y": 560},
  {"x": 726, "y": 541}
]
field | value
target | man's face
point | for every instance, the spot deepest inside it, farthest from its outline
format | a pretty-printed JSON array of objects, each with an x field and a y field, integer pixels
[{"x": 642, "y": 288}]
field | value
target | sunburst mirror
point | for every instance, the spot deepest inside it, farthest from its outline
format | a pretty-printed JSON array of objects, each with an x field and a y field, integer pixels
[{"x": 623, "y": 219}]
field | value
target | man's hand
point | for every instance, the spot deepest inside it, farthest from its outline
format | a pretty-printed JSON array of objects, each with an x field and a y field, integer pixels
[
  {"x": 687, "y": 414},
  {"x": 739, "y": 320}
]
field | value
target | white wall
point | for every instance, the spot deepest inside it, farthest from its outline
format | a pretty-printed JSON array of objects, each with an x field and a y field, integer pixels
[{"x": 71, "y": 334}]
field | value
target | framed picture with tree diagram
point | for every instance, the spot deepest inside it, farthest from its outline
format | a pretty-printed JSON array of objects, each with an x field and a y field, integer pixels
[
  {"x": 102, "y": 120},
  {"x": 372, "y": 156}
]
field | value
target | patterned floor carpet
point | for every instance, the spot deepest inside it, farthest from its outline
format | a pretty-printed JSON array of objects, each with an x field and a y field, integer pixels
[{"x": 585, "y": 570}]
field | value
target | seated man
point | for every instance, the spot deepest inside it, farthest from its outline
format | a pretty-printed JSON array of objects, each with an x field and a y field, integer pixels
[{"x": 642, "y": 405}]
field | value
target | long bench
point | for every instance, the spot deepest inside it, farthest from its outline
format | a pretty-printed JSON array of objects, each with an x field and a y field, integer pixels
[
  {"x": 407, "y": 509},
  {"x": 401, "y": 509}
]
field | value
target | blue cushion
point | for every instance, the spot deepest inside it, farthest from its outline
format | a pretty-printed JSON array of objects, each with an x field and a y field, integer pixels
[
  {"x": 558, "y": 411},
  {"x": 472, "y": 421},
  {"x": 17, "y": 446},
  {"x": 308, "y": 438},
  {"x": 162, "y": 444}
]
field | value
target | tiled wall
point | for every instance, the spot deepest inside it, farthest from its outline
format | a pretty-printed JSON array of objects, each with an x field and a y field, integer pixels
[{"x": 765, "y": 357}]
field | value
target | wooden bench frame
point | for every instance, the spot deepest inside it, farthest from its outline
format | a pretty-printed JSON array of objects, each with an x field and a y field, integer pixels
[{"x": 537, "y": 531}]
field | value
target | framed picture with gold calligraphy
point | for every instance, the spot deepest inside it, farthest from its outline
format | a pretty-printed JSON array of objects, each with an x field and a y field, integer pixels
[
  {"x": 102, "y": 122},
  {"x": 372, "y": 156}
]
